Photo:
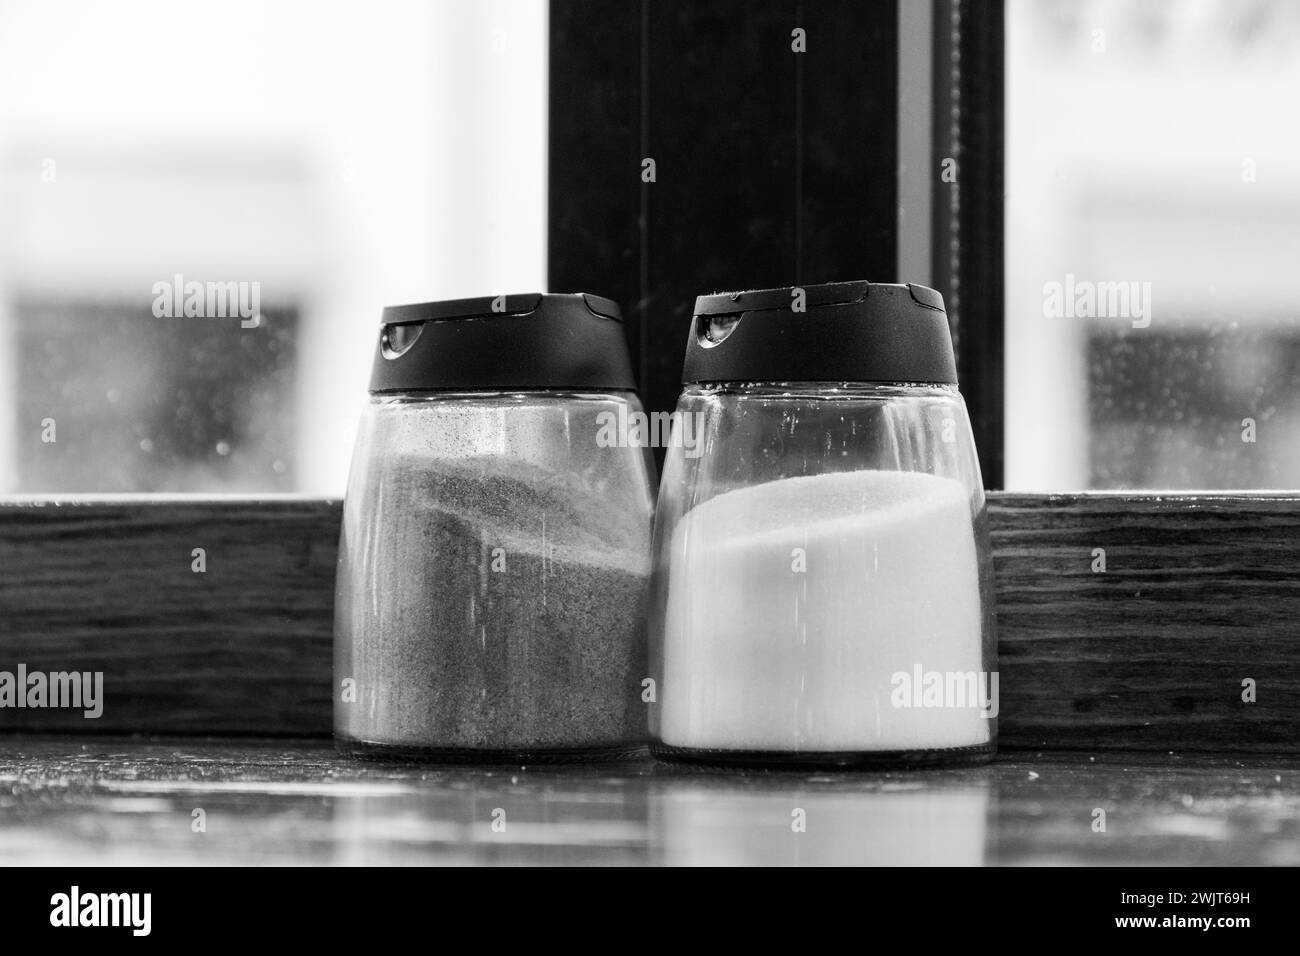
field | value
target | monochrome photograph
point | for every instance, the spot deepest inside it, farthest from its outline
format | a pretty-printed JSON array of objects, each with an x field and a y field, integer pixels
[{"x": 650, "y": 433}]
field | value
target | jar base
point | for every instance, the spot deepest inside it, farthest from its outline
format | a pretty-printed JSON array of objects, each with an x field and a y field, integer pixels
[
  {"x": 405, "y": 753},
  {"x": 825, "y": 760}
]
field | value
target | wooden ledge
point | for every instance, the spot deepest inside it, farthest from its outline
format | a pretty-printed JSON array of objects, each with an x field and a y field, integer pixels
[{"x": 1199, "y": 593}]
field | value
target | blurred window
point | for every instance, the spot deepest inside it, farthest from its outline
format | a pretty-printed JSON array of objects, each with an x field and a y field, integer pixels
[
  {"x": 324, "y": 158},
  {"x": 322, "y": 155},
  {"x": 138, "y": 404},
  {"x": 1153, "y": 229}
]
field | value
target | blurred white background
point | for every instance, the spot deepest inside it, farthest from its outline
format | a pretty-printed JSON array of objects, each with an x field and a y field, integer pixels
[
  {"x": 344, "y": 156},
  {"x": 347, "y": 156},
  {"x": 1154, "y": 141}
]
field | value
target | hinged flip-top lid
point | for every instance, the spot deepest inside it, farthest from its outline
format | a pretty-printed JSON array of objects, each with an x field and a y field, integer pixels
[
  {"x": 835, "y": 332},
  {"x": 527, "y": 341}
]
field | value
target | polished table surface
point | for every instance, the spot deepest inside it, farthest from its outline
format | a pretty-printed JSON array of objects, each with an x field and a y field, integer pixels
[{"x": 95, "y": 801}]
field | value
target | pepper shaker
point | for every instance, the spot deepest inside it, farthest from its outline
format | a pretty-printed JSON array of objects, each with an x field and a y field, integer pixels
[{"x": 494, "y": 558}]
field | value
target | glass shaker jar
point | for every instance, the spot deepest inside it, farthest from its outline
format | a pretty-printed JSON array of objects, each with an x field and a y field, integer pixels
[
  {"x": 495, "y": 554},
  {"x": 822, "y": 589}
]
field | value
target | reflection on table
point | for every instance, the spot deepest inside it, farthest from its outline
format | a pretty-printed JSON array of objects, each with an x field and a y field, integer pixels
[{"x": 212, "y": 803}]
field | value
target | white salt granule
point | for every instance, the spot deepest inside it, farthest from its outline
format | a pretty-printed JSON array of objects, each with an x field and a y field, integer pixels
[{"x": 792, "y": 603}]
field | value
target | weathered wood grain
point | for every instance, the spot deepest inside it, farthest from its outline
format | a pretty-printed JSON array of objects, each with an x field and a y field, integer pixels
[
  {"x": 107, "y": 585},
  {"x": 1199, "y": 593}
]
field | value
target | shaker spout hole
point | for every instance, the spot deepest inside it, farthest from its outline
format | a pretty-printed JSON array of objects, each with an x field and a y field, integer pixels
[
  {"x": 396, "y": 339},
  {"x": 713, "y": 329}
]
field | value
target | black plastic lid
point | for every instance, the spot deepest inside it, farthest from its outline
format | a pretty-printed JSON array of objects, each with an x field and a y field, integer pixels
[
  {"x": 530, "y": 341},
  {"x": 848, "y": 332}
]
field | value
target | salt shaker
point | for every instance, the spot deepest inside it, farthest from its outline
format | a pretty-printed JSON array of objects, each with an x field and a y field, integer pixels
[
  {"x": 822, "y": 591},
  {"x": 495, "y": 553}
]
